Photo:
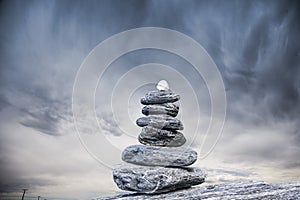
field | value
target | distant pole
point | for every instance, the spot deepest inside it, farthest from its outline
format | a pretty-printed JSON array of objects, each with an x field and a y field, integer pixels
[{"x": 24, "y": 191}]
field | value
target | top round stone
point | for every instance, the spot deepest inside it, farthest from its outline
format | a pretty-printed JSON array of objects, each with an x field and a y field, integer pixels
[{"x": 162, "y": 85}]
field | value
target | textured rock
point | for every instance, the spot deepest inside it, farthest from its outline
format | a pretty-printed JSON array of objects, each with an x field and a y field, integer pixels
[
  {"x": 159, "y": 156},
  {"x": 163, "y": 122},
  {"x": 166, "y": 108},
  {"x": 159, "y": 137},
  {"x": 242, "y": 191},
  {"x": 159, "y": 97},
  {"x": 153, "y": 180}
]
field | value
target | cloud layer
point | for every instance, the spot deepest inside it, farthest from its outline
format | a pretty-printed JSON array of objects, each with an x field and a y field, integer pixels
[{"x": 43, "y": 43}]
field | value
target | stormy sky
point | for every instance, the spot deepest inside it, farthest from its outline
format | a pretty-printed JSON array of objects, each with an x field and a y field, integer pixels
[{"x": 255, "y": 45}]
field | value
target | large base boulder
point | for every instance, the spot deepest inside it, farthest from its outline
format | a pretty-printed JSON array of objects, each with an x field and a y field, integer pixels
[{"x": 154, "y": 180}]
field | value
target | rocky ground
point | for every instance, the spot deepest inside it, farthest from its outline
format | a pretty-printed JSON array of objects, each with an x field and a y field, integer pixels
[{"x": 243, "y": 190}]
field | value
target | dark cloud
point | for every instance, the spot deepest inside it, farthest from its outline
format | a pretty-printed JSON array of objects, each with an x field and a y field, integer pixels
[
  {"x": 43, "y": 46},
  {"x": 255, "y": 44},
  {"x": 38, "y": 110},
  {"x": 3, "y": 102},
  {"x": 47, "y": 119},
  {"x": 108, "y": 124}
]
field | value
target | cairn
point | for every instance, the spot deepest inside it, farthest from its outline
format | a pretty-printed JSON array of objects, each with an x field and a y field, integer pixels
[{"x": 160, "y": 164}]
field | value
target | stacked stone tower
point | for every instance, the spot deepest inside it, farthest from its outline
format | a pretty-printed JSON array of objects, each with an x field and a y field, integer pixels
[{"x": 160, "y": 164}]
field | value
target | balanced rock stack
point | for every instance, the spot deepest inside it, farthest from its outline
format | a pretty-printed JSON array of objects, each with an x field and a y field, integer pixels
[{"x": 160, "y": 163}]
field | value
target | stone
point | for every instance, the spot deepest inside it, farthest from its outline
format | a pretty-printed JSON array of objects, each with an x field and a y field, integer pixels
[
  {"x": 162, "y": 85},
  {"x": 153, "y": 180},
  {"x": 159, "y": 156},
  {"x": 163, "y": 122},
  {"x": 161, "y": 109},
  {"x": 159, "y": 137},
  {"x": 160, "y": 164},
  {"x": 239, "y": 190},
  {"x": 159, "y": 97},
  {"x": 177, "y": 141}
]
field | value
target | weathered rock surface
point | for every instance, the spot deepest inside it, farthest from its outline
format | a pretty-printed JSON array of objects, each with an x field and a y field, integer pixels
[
  {"x": 159, "y": 109},
  {"x": 159, "y": 137},
  {"x": 159, "y": 156},
  {"x": 229, "y": 191},
  {"x": 163, "y": 122},
  {"x": 153, "y": 180},
  {"x": 159, "y": 97}
]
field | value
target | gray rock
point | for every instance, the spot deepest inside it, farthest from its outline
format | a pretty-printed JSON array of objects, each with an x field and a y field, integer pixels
[
  {"x": 158, "y": 109},
  {"x": 159, "y": 137},
  {"x": 228, "y": 191},
  {"x": 153, "y": 180},
  {"x": 159, "y": 97},
  {"x": 162, "y": 122},
  {"x": 159, "y": 156}
]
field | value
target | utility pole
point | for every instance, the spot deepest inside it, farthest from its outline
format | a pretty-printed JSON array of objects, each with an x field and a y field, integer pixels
[{"x": 24, "y": 191}]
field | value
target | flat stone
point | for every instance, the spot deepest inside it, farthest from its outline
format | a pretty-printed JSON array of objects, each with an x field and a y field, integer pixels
[
  {"x": 159, "y": 156},
  {"x": 158, "y": 109},
  {"x": 162, "y": 122},
  {"x": 159, "y": 137},
  {"x": 159, "y": 97},
  {"x": 153, "y": 180}
]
